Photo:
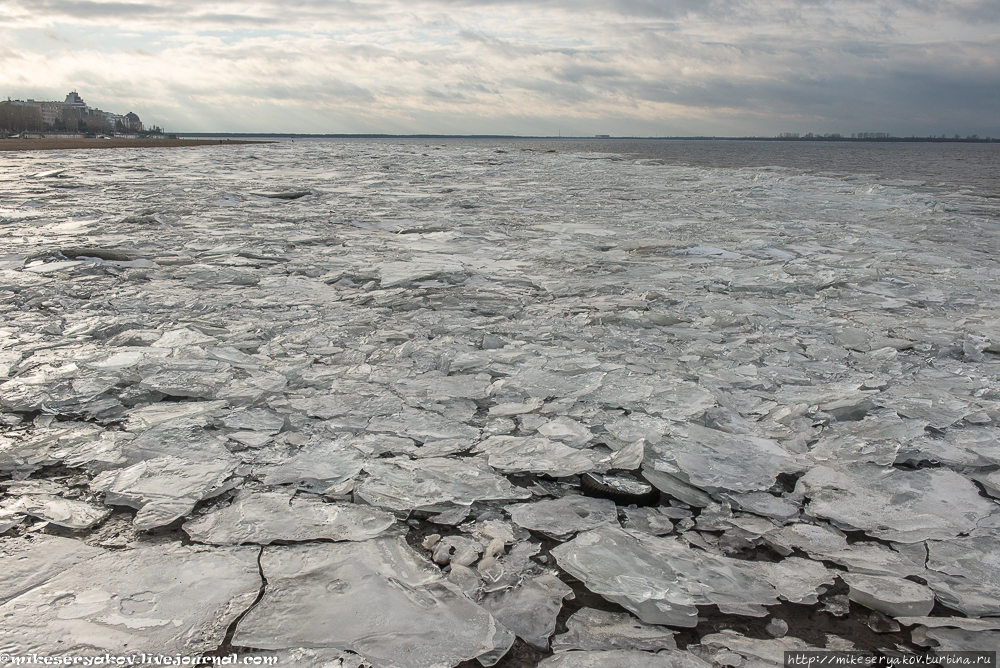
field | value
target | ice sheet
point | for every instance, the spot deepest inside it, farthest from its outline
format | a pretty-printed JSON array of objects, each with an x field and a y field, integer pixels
[
  {"x": 805, "y": 365},
  {"x": 265, "y": 517},
  {"x": 377, "y": 598},
  {"x": 177, "y": 599}
]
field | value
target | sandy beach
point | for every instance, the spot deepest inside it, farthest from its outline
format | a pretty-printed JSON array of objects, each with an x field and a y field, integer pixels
[{"x": 60, "y": 143}]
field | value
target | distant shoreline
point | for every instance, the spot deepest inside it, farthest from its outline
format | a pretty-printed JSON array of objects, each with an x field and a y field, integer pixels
[
  {"x": 864, "y": 140},
  {"x": 61, "y": 143}
]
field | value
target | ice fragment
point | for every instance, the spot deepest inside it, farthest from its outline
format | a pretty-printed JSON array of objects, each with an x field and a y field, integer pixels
[
  {"x": 591, "y": 629},
  {"x": 663, "y": 581},
  {"x": 530, "y": 608},
  {"x": 712, "y": 460},
  {"x": 264, "y": 517},
  {"x": 964, "y": 572},
  {"x": 377, "y": 598},
  {"x": 902, "y": 506},
  {"x": 403, "y": 484},
  {"x": 895, "y": 597},
  {"x": 175, "y": 598},
  {"x": 68, "y": 513},
  {"x": 163, "y": 489},
  {"x": 512, "y": 454},
  {"x": 565, "y": 516}
]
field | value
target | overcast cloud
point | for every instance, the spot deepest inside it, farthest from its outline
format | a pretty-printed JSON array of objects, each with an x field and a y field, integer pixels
[{"x": 539, "y": 67}]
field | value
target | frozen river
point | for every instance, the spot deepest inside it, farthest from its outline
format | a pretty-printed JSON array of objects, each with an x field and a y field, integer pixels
[{"x": 415, "y": 404}]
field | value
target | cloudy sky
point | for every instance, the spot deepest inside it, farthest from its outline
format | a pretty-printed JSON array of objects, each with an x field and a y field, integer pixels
[{"x": 528, "y": 67}]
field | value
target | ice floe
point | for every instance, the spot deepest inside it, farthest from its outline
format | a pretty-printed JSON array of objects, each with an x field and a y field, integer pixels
[
  {"x": 377, "y": 598},
  {"x": 265, "y": 517},
  {"x": 177, "y": 599}
]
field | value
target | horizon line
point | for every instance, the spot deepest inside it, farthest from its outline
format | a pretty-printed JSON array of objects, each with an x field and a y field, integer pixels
[{"x": 373, "y": 135}]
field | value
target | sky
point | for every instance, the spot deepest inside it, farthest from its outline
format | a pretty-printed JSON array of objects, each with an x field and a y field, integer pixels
[{"x": 519, "y": 67}]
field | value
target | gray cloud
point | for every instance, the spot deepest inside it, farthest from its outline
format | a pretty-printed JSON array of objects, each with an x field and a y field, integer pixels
[{"x": 624, "y": 66}]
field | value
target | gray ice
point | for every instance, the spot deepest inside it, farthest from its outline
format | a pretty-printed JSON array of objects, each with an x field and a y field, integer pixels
[
  {"x": 264, "y": 517},
  {"x": 377, "y": 598},
  {"x": 896, "y": 505},
  {"x": 662, "y": 580},
  {"x": 565, "y": 516},
  {"x": 403, "y": 484},
  {"x": 174, "y": 598},
  {"x": 596, "y": 630}
]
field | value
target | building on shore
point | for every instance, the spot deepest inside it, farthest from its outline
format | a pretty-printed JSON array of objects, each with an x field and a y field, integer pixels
[
  {"x": 19, "y": 116},
  {"x": 71, "y": 115},
  {"x": 132, "y": 122}
]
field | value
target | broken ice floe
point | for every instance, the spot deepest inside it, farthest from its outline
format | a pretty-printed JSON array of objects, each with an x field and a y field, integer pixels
[
  {"x": 712, "y": 460},
  {"x": 964, "y": 572},
  {"x": 956, "y": 640},
  {"x": 895, "y": 597},
  {"x": 469, "y": 350},
  {"x": 512, "y": 454},
  {"x": 316, "y": 467},
  {"x": 68, "y": 513},
  {"x": 565, "y": 516},
  {"x": 662, "y": 580},
  {"x": 163, "y": 489},
  {"x": 529, "y": 609},
  {"x": 377, "y": 598},
  {"x": 265, "y": 517},
  {"x": 590, "y": 629},
  {"x": 75, "y": 443},
  {"x": 177, "y": 599},
  {"x": 752, "y": 651},
  {"x": 954, "y": 633},
  {"x": 828, "y": 544},
  {"x": 897, "y": 505},
  {"x": 404, "y": 484}
]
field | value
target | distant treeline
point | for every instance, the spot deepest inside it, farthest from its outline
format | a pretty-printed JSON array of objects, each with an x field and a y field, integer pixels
[{"x": 971, "y": 139}]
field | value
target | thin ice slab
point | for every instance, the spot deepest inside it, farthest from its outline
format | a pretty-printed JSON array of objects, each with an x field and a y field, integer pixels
[
  {"x": 565, "y": 516},
  {"x": 377, "y": 598},
  {"x": 895, "y": 597},
  {"x": 530, "y": 608},
  {"x": 317, "y": 467},
  {"x": 264, "y": 517},
  {"x": 403, "y": 484},
  {"x": 964, "y": 572},
  {"x": 68, "y": 513},
  {"x": 956, "y": 640},
  {"x": 755, "y": 651},
  {"x": 662, "y": 580},
  {"x": 827, "y": 544},
  {"x": 901, "y": 506},
  {"x": 621, "y": 658},
  {"x": 512, "y": 454},
  {"x": 592, "y": 629},
  {"x": 163, "y": 489},
  {"x": 714, "y": 460},
  {"x": 174, "y": 598}
]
